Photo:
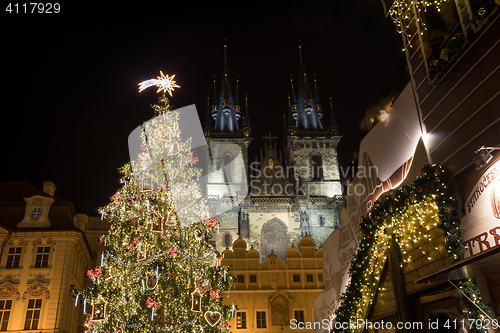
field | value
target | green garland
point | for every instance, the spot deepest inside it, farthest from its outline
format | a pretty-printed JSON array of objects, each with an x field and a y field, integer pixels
[
  {"x": 432, "y": 184},
  {"x": 452, "y": 47},
  {"x": 469, "y": 294}
]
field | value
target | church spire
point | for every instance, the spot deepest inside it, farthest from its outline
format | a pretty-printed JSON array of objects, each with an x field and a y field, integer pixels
[
  {"x": 215, "y": 104},
  {"x": 306, "y": 115},
  {"x": 246, "y": 118},
  {"x": 333, "y": 121},
  {"x": 319, "y": 109},
  {"x": 208, "y": 125},
  {"x": 227, "y": 111}
]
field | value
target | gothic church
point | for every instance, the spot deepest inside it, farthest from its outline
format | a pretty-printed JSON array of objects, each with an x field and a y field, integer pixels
[{"x": 285, "y": 196}]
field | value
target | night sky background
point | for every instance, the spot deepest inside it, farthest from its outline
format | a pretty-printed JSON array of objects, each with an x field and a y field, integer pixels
[{"x": 70, "y": 98}]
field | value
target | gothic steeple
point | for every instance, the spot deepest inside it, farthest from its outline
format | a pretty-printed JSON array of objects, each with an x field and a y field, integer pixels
[
  {"x": 228, "y": 110},
  {"x": 208, "y": 125},
  {"x": 246, "y": 118},
  {"x": 333, "y": 121},
  {"x": 215, "y": 102},
  {"x": 319, "y": 109},
  {"x": 306, "y": 116}
]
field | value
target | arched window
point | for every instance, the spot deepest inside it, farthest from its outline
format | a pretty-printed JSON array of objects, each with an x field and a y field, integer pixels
[
  {"x": 227, "y": 240},
  {"x": 316, "y": 167},
  {"x": 228, "y": 168}
]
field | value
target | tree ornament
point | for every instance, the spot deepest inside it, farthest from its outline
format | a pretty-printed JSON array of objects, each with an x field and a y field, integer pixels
[
  {"x": 212, "y": 318},
  {"x": 141, "y": 254},
  {"x": 196, "y": 301},
  {"x": 99, "y": 309},
  {"x": 170, "y": 220},
  {"x": 203, "y": 285},
  {"x": 157, "y": 224},
  {"x": 151, "y": 280}
]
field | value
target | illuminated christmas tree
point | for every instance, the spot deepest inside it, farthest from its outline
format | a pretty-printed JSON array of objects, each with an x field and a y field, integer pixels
[{"x": 159, "y": 272}]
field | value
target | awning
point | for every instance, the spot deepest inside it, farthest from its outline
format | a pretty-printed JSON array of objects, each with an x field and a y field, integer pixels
[{"x": 483, "y": 264}]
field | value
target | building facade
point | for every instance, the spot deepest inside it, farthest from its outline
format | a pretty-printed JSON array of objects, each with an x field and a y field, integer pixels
[
  {"x": 274, "y": 294},
  {"x": 285, "y": 195},
  {"x": 44, "y": 257}
]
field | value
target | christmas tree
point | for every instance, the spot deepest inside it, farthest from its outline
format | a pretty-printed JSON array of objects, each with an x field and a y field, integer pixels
[{"x": 159, "y": 272}]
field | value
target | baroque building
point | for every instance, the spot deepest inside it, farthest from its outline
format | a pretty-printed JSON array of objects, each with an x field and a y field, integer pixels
[
  {"x": 281, "y": 196},
  {"x": 274, "y": 294},
  {"x": 44, "y": 257}
]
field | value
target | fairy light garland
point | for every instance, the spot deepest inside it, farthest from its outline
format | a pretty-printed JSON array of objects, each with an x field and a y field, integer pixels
[
  {"x": 412, "y": 212},
  {"x": 110, "y": 255},
  {"x": 401, "y": 11}
]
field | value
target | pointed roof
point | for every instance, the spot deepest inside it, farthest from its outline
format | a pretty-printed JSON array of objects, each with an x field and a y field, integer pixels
[
  {"x": 246, "y": 116},
  {"x": 316, "y": 95},
  {"x": 236, "y": 94},
  {"x": 294, "y": 98},
  {"x": 333, "y": 120},
  {"x": 226, "y": 91},
  {"x": 207, "y": 115},
  {"x": 307, "y": 114},
  {"x": 215, "y": 100},
  {"x": 225, "y": 112}
]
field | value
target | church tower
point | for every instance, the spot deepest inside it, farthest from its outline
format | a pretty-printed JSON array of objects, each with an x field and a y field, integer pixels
[
  {"x": 227, "y": 133},
  {"x": 312, "y": 146}
]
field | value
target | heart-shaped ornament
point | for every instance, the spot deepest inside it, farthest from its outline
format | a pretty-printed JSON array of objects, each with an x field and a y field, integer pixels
[{"x": 212, "y": 317}]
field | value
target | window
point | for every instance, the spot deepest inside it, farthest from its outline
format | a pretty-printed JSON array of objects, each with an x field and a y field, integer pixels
[
  {"x": 42, "y": 256},
  {"x": 296, "y": 278},
  {"x": 299, "y": 316},
  {"x": 5, "y": 307},
  {"x": 241, "y": 278},
  {"x": 227, "y": 240},
  {"x": 309, "y": 278},
  {"x": 253, "y": 278},
  {"x": 261, "y": 319},
  {"x": 36, "y": 212},
  {"x": 13, "y": 257},
  {"x": 241, "y": 320},
  {"x": 317, "y": 167},
  {"x": 33, "y": 314},
  {"x": 320, "y": 277},
  {"x": 321, "y": 221}
]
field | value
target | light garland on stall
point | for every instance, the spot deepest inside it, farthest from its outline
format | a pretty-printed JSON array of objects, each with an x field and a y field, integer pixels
[
  {"x": 413, "y": 212},
  {"x": 400, "y": 12}
]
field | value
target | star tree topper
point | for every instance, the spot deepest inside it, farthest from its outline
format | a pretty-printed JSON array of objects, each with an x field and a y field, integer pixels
[{"x": 163, "y": 82}]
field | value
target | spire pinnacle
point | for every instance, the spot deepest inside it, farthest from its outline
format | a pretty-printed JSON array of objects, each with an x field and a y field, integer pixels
[
  {"x": 237, "y": 93},
  {"x": 333, "y": 121},
  {"x": 225, "y": 46},
  {"x": 300, "y": 51},
  {"x": 207, "y": 115},
  {"x": 294, "y": 98}
]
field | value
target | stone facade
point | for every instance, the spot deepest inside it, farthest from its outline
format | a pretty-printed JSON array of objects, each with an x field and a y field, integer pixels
[{"x": 290, "y": 194}]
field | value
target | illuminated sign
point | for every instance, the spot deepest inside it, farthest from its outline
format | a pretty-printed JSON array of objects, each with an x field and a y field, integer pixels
[
  {"x": 163, "y": 82},
  {"x": 480, "y": 225}
]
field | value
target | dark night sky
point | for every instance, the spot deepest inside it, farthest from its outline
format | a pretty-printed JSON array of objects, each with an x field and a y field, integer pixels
[{"x": 70, "y": 97}]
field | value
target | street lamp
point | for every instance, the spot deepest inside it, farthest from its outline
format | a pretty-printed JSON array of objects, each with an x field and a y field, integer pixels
[{"x": 483, "y": 156}]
